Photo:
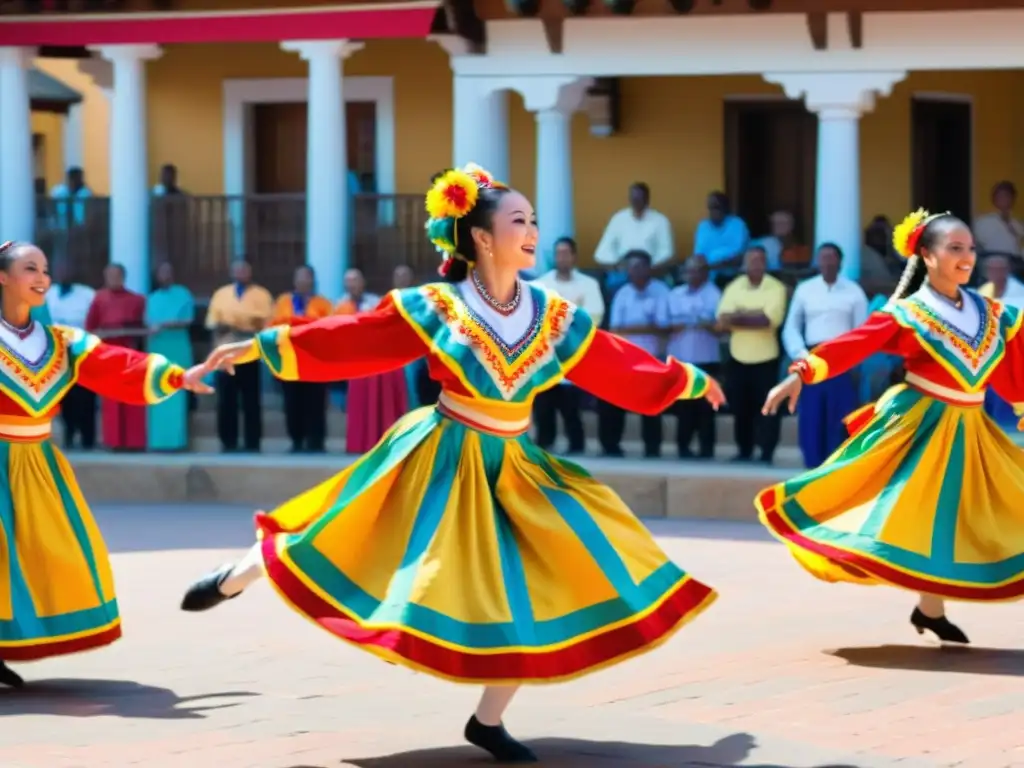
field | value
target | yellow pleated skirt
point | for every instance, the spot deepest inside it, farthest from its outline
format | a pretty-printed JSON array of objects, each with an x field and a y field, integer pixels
[
  {"x": 56, "y": 586},
  {"x": 477, "y": 559},
  {"x": 928, "y": 496}
]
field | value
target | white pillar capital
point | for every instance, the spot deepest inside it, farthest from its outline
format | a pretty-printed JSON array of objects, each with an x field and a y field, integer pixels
[
  {"x": 454, "y": 45},
  {"x": 309, "y": 50},
  {"x": 836, "y": 95},
  {"x": 119, "y": 54},
  {"x": 552, "y": 92},
  {"x": 17, "y": 56}
]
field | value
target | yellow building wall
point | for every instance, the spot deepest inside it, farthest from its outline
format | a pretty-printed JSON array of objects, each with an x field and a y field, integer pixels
[
  {"x": 672, "y": 132},
  {"x": 95, "y": 119},
  {"x": 50, "y": 128}
]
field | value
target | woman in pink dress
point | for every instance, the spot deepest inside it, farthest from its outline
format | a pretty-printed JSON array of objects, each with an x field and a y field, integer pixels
[{"x": 374, "y": 403}]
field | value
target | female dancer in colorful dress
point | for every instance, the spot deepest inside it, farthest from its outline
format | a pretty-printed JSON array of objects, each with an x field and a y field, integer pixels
[
  {"x": 56, "y": 586},
  {"x": 456, "y": 547},
  {"x": 926, "y": 493}
]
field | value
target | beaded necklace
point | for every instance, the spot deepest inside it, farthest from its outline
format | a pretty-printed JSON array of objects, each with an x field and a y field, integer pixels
[
  {"x": 21, "y": 333},
  {"x": 504, "y": 308}
]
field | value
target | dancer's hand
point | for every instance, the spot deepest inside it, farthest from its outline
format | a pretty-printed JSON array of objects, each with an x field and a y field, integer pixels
[
  {"x": 714, "y": 395},
  {"x": 223, "y": 357},
  {"x": 193, "y": 380},
  {"x": 787, "y": 389}
]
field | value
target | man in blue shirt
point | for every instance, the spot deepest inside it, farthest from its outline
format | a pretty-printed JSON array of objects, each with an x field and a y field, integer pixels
[{"x": 722, "y": 239}]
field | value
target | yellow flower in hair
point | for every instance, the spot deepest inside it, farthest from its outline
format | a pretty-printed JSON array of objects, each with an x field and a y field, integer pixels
[
  {"x": 906, "y": 234},
  {"x": 453, "y": 195}
]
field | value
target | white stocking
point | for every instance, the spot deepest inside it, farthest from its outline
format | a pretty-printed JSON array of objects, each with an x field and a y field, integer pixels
[
  {"x": 932, "y": 606},
  {"x": 493, "y": 703},
  {"x": 245, "y": 572}
]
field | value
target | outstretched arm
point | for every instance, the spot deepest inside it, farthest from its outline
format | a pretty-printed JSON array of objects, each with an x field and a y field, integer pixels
[
  {"x": 879, "y": 334},
  {"x": 123, "y": 374},
  {"x": 336, "y": 347},
  {"x": 621, "y": 373}
]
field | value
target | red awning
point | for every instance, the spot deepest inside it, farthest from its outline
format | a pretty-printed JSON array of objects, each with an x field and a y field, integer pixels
[{"x": 336, "y": 22}]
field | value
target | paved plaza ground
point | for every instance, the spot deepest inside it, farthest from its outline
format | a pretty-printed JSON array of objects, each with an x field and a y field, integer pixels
[{"x": 782, "y": 671}]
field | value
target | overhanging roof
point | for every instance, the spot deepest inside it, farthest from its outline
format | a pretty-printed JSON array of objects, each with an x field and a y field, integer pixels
[
  {"x": 48, "y": 94},
  {"x": 333, "y": 22}
]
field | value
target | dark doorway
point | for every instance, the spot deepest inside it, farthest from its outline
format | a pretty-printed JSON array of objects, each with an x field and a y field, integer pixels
[
  {"x": 941, "y": 156},
  {"x": 771, "y": 163}
]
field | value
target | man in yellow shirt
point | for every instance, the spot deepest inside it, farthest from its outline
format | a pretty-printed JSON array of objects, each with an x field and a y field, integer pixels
[
  {"x": 238, "y": 311},
  {"x": 752, "y": 309}
]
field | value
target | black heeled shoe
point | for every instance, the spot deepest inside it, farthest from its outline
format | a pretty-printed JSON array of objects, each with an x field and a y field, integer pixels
[
  {"x": 942, "y": 628},
  {"x": 205, "y": 593},
  {"x": 9, "y": 677},
  {"x": 496, "y": 740}
]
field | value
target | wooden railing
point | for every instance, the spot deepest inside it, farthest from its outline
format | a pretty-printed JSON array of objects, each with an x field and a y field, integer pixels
[{"x": 201, "y": 235}]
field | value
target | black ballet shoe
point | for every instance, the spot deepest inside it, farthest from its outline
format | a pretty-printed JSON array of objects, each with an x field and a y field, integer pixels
[
  {"x": 205, "y": 593},
  {"x": 942, "y": 628},
  {"x": 496, "y": 740},
  {"x": 9, "y": 677}
]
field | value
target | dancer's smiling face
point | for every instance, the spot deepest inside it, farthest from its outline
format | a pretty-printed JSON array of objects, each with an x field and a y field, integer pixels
[
  {"x": 950, "y": 255},
  {"x": 24, "y": 275}
]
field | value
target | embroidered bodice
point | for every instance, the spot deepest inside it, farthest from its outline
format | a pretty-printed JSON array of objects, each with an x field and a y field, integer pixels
[
  {"x": 494, "y": 356},
  {"x": 36, "y": 371}
]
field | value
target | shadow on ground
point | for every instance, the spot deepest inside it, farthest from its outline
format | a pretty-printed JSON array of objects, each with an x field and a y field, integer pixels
[
  {"x": 112, "y": 698},
  {"x": 164, "y": 527},
  {"x": 730, "y": 751},
  {"x": 966, "y": 660}
]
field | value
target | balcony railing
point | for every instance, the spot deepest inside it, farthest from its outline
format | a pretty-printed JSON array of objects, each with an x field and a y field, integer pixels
[{"x": 201, "y": 235}]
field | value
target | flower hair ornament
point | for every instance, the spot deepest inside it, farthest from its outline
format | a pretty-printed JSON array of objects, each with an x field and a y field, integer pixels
[
  {"x": 907, "y": 234},
  {"x": 453, "y": 195}
]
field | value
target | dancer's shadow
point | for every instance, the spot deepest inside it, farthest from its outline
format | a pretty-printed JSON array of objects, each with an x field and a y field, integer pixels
[
  {"x": 113, "y": 698},
  {"x": 968, "y": 659},
  {"x": 575, "y": 753}
]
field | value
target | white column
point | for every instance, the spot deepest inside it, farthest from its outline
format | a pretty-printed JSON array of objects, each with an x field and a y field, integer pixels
[
  {"x": 839, "y": 99},
  {"x": 480, "y": 125},
  {"x": 129, "y": 162},
  {"x": 17, "y": 189},
  {"x": 74, "y": 144},
  {"x": 554, "y": 99},
  {"x": 328, "y": 241}
]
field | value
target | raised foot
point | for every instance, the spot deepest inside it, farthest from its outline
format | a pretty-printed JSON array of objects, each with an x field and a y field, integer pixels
[
  {"x": 205, "y": 593},
  {"x": 942, "y": 628},
  {"x": 496, "y": 740},
  {"x": 9, "y": 677}
]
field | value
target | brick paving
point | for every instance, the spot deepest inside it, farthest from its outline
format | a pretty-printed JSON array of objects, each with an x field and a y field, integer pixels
[{"x": 782, "y": 672}]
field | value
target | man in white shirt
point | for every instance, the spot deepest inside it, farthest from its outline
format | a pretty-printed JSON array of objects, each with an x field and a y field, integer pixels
[
  {"x": 68, "y": 303},
  {"x": 1000, "y": 231},
  {"x": 636, "y": 228},
  {"x": 585, "y": 292},
  {"x": 822, "y": 308}
]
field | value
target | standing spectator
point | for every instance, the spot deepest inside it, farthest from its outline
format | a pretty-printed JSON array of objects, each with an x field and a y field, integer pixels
[
  {"x": 639, "y": 313},
  {"x": 753, "y": 307},
  {"x": 237, "y": 312},
  {"x": 168, "y": 185},
  {"x": 637, "y": 227},
  {"x": 1000, "y": 231},
  {"x": 69, "y": 198},
  {"x": 822, "y": 308},
  {"x": 565, "y": 398},
  {"x": 374, "y": 403},
  {"x": 781, "y": 246},
  {"x": 1004, "y": 287},
  {"x": 692, "y": 311},
  {"x": 880, "y": 265},
  {"x": 305, "y": 402},
  {"x": 721, "y": 238},
  {"x": 118, "y": 316},
  {"x": 170, "y": 312},
  {"x": 68, "y": 303}
]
